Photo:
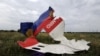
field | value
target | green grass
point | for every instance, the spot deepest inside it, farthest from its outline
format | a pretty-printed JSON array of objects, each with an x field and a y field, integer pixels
[{"x": 9, "y": 46}]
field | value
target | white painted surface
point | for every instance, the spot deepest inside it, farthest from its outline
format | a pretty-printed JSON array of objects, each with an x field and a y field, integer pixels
[{"x": 66, "y": 46}]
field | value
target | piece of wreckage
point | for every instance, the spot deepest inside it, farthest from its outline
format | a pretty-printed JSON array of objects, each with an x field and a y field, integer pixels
[{"x": 55, "y": 28}]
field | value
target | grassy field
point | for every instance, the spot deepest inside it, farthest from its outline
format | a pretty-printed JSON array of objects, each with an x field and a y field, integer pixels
[{"x": 9, "y": 46}]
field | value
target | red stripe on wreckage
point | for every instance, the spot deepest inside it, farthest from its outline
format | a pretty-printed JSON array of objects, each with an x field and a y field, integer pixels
[
  {"x": 42, "y": 25},
  {"x": 28, "y": 42},
  {"x": 53, "y": 24}
]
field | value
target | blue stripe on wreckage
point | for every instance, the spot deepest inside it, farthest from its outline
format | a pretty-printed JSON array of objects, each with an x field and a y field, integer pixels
[{"x": 42, "y": 18}]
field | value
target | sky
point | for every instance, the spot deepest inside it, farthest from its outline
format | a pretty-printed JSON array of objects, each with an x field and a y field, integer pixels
[{"x": 79, "y": 15}]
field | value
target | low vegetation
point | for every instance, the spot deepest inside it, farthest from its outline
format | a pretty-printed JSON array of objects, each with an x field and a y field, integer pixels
[{"x": 9, "y": 46}]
